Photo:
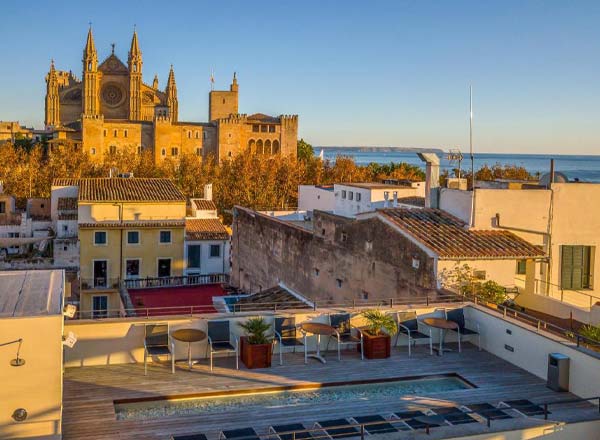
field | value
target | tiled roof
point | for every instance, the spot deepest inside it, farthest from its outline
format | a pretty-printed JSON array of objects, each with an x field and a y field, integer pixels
[
  {"x": 117, "y": 189},
  {"x": 275, "y": 298},
  {"x": 63, "y": 216},
  {"x": 449, "y": 237},
  {"x": 205, "y": 205},
  {"x": 205, "y": 229},
  {"x": 67, "y": 203},
  {"x": 134, "y": 224},
  {"x": 262, "y": 118}
]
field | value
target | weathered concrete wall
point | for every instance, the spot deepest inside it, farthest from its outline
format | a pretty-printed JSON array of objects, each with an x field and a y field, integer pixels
[{"x": 368, "y": 258}]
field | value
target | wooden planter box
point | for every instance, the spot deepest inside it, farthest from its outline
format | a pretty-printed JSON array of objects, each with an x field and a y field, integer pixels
[
  {"x": 255, "y": 356},
  {"x": 377, "y": 347}
]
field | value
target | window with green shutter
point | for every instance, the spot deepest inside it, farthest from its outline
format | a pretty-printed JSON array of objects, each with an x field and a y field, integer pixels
[
  {"x": 575, "y": 267},
  {"x": 521, "y": 267}
]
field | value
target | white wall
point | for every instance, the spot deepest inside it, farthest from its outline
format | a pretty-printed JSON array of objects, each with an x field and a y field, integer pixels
[
  {"x": 531, "y": 350},
  {"x": 208, "y": 264},
  {"x": 311, "y": 197},
  {"x": 456, "y": 202}
]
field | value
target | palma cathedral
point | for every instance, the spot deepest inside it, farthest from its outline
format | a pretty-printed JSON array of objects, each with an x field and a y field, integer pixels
[{"x": 112, "y": 108}]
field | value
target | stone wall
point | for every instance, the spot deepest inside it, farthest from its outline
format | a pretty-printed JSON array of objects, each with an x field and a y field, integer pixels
[{"x": 340, "y": 260}]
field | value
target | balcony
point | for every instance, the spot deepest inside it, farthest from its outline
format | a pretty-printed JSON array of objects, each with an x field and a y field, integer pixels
[
  {"x": 99, "y": 283},
  {"x": 185, "y": 280}
]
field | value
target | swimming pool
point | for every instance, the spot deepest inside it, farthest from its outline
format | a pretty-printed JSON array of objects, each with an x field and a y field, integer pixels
[{"x": 139, "y": 409}]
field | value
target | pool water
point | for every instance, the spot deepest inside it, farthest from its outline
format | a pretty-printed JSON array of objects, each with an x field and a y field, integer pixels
[{"x": 288, "y": 397}]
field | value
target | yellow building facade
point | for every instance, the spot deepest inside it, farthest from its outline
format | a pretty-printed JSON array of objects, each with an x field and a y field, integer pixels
[
  {"x": 111, "y": 108},
  {"x": 128, "y": 229}
]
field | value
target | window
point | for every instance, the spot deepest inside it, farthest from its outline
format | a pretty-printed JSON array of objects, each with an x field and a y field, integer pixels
[
  {"x": 174, "y": 151},
  {"x": 65, "y": 248},
  {"x": 198, "y": 151},
  {"x": 163, "y": 152},
  {"x": 193, "y": 256},
  {"x": 215, "y": 250},
  {"x": 521, "y": 267},
  {"x": 365, "y": 295},
  {"x": 271, "y": 129},
  {"x": 338, "y": 282},
  {"x": 343, "y": 194},
  {"x": 165, "y": 237},
  {"x": 255, "y": 128},
  {"x": 263, "y": 128},
  {"x": 105, "y": 133},
  {"x": 100, "y": 238},
  {"x": 115, "y": 132},
  {"x": 133, "y": 237},
  {"x": 350, "y": 195},
  {"x": 112, "y": 149},
  {"x": 316, "y": 272},
  {"x": 99, "y": 306},
  {"x": 124, "y": 133},
  {"x": 2, "y": 207},
  {"x": 132, "y": 268},
  {"x": 479, "y": 274},
  {"x": 139, "y": 149},
  {"x": 92, "y": 150},
  {"x": 575, "y": 268},
  {"x": 65, "y": 228},
  {"x": 358, "y": 197},
  {"x": 197, "y": 134},
  {"x": 164, "y": 267},
  {"x": 344, "y": 237},
  {"x": 204, "y": 135},
  {"x": 189, "y": 134}
]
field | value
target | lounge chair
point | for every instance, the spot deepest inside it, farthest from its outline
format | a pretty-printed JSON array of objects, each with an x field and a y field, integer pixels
[
  {"x": 458, "y": 316},
  {"x": 189, "y": 437},
  {"x": 488, "y": 411},
  {"x": 239, "y": 434},
  {"x": 343, "y": 336},
  {"x": 338, "y": 428},
  {"x": 283, "y": 432},
  {"x": 454, "y": 415},
  {"x": 286, "y": 334},
  {"x": 376, "y": 424},
  {"x": 219, "y": 341},
  {"x": 524, "y": 407},
  {"x": 408, "y": 417},
  {"x": 157, "y": 342},
  {"x": 408, "y": 325}
]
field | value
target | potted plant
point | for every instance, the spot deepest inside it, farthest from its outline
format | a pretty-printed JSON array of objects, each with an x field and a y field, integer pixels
[
  {"x": 256, "y": 347},
  {"x": 377, "y": 342}
]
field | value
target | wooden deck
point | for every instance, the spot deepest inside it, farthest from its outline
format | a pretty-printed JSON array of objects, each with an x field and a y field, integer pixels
[{"x": 89, "y": 393}]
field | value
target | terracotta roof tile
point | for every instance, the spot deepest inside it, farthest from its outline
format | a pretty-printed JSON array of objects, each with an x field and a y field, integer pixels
[
  {"x": 117, "y": 189},
  {"x": 62, "y": 216},
  {"x": 414, "y": 200},
  {"x": 205, "y": 229},
  {"x": 449, "y": 237},
  {"x": 205, "y": 205},
  {"x": 67, "y": 204}
]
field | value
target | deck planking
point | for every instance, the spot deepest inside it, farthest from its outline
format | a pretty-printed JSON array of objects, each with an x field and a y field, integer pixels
[{"x": 89, "y": 392}]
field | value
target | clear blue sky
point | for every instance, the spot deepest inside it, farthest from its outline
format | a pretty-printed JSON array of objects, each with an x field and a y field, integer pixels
[{"x": 356, "y": 73}]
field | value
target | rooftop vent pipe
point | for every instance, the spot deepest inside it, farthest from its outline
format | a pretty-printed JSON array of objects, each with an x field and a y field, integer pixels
[{"x": 432, "y": 178}]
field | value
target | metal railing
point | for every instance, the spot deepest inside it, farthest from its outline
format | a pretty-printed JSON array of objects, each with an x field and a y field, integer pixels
[
  {"x": 185, "y": 280},
  {"x": 99, "y": 283},
  {"x": 539, "y": 289},
  {"x": 363, "y": 429}
]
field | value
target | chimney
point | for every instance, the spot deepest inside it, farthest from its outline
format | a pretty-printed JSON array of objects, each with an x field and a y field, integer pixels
[
  {"x": 395, "y": 203},
  {"x": 208, "y": 191},
  {"x": 386, "y": 196},
  {"x": 432, "y": 178}
]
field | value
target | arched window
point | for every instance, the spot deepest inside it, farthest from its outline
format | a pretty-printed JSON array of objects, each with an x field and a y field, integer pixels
[
  {"x": 276, "y": 149},
  {"x": 112, "y": 149},
  {"x": 198, "y": 151},
  {"x": 189, "y": 134},
  {"x": 259, "y": 146},
  {"x": 267, "y": 146},
  {"x": 115, "y": 133},
  {"x": 92, "y": 151},
  {"x": 197, "y": 134},
  {"x": 124, "y": 133},
  {"x": 163, "y": 152},
  {"x": 252, "y": 146}
]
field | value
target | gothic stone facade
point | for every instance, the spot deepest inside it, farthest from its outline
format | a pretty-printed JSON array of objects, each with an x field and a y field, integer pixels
[
  {"x": 339, "y": 260},
  {"x": 111, "y": 108}
]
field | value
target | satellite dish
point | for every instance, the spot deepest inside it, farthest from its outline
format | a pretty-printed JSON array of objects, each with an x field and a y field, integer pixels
[{"x": 558, "y": 178}]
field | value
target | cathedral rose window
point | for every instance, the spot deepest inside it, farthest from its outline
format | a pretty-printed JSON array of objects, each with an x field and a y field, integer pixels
[{"x": 112, "y": 94}]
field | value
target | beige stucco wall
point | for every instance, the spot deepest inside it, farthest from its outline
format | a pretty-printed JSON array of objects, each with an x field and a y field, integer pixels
[
  {"x": 37, "y": 385},
  {"x": 98, "y": 212},
  {"x": 501, "y": 271}
]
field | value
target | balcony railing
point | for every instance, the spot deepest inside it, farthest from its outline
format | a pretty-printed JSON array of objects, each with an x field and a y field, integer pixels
[
  {"x": 99, "y": 283},
  {"x": 185, "y": 280}
]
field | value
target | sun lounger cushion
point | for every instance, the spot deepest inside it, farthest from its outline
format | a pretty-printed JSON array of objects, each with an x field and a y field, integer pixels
[
  {"x": 341, "y": 431},
  {"x": 454, "y": 415},
  {"x": 241, "y": 434},
  {"x": 190, "y": 437},
  {"x": 489, "y": 411},
  {"x": 526, "y": 407},
  {"x": 409, "y": 418},
  {"x": 278, "y": 429},
  {"x": 376, "y": 424}
]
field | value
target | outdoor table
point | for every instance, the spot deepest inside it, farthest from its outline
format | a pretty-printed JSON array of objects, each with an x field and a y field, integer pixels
[
  {"x": 189, "y": 335},
  {"x": 433, "y": 420},
  {"x": 317, "y": 329},
  {"x": 443, "y": 325}
]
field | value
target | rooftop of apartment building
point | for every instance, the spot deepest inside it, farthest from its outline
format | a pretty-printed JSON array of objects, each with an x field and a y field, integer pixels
[
  {"x": 31, "y": 293},
  {"x": 124, "y": 189},
  {"x": 205, "y": 229}
]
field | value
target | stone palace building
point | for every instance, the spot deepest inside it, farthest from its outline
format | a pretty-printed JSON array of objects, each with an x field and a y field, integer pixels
[{"x": 111, "y": 108}]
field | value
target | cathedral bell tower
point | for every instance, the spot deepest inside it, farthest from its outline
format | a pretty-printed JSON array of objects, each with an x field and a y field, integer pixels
[
  {"x": 52, "y": 113},
  {"x": 134, "y": 63},
  {"x": 171, "y": 92},
  {"x": 90, "y": 77}
]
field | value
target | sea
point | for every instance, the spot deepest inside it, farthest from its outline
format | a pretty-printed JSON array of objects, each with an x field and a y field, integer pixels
[{"x": 585, "y": 168}]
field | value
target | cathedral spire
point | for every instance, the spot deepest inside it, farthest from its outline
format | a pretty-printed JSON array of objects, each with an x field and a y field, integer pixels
[
  {"x": 52, "y": 113},
  {"x": 234, "y": 83},
  {"x": 135, "y": 47},
  {"x": 135, "y": 79},
  {"x": 90, "y": 47},
  {"x": 155, "y": 82},
  {"x": 171, "y": 92}
]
